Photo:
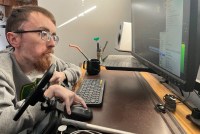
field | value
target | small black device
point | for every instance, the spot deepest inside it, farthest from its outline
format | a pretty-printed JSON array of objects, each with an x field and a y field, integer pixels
[
  {"x": 160, "y": 108},
  {"x": 92, "y": 91},
  {"x": 170, "y": 102},
  {"x": 79, "y": 113}
]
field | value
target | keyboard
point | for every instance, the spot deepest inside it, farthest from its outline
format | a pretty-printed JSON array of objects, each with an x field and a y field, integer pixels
[
  {"x": 123, "y": 62},
  {"x": 92, "y": 91}
]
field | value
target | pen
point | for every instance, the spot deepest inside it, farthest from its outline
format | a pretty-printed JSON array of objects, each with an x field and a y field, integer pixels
[
  {"x": 98, "y": 47},
  {"x": 105, "y": 46}
]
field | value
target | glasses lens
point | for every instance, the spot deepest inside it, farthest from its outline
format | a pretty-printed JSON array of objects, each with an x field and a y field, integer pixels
[
  {"x": 55, "y": 38},
  {"x": 46, "y": 36}
]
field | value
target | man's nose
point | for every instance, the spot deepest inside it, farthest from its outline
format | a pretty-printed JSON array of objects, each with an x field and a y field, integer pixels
[{"x": 51, "y": 42}]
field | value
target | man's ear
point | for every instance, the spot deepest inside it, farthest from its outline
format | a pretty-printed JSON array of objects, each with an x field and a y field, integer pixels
[{"x": 13, "y": 39}]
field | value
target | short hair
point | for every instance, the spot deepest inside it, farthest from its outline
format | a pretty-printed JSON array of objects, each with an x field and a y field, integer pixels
[{"x": 20, "y": 14}]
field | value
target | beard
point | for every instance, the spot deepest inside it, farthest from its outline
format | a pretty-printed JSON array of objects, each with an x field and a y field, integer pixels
[{"x": 44, "y": 62}]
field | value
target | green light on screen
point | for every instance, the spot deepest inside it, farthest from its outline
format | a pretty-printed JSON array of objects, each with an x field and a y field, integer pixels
[{"x": 182, "y": 57}]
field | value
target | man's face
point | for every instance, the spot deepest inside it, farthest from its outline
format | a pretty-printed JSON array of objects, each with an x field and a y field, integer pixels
[{"x": 33, "y": 49}]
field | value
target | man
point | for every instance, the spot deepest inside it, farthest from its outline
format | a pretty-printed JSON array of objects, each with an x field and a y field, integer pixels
[{"x": 31, "y": 32}]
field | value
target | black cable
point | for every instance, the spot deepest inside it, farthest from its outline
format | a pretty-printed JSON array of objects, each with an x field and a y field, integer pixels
[
  {"x": 184, "y": 99},
  {"x": 196, "y": 93},
  {"x": 181, "y": 92}
]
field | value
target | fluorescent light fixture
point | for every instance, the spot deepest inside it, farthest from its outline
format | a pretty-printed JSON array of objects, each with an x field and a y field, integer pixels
[
  {"x": 81, "y": 14},
  {"x": 70, "y": 20},
  {"x": 90, "y": 9},
  {"x": 76, "y": 17}
]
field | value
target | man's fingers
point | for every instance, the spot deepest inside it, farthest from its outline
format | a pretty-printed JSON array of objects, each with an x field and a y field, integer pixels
[
  {"x": 53, "y": 79},
  {"x": 67, "y": 105},
  {"x": 80, "y": 100}
]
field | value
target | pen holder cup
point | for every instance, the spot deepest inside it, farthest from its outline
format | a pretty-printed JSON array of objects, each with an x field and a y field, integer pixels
[{"x": 92, "y": 66}]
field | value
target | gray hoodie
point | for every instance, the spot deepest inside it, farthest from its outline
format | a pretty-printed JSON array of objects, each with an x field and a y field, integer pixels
[{"x": 11, "y": 81}]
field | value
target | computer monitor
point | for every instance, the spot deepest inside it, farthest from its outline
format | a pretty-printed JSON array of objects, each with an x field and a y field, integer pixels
[{"x": 165, "y": 35}]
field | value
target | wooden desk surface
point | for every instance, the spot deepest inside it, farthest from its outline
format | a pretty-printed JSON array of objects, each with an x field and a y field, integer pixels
[
  {"x": 160, "y": 90},
  {"x": 181, "y": 109}
]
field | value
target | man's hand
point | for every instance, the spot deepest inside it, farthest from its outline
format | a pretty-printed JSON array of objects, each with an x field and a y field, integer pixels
[
  {"x": 67, "y": 96},
  {"x": 57, "y": 78}
]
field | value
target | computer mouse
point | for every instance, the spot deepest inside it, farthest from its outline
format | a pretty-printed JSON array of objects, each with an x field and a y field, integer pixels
[
  {"x": 79, "y": 113},
  {"x": 160, "y": 108}
]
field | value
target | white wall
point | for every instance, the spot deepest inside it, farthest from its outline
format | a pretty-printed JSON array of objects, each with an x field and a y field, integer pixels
[{"x": 103, "y": 22}]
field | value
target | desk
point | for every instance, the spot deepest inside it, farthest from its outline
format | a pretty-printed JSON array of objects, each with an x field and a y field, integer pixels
[{"x": 129, "y": 105}]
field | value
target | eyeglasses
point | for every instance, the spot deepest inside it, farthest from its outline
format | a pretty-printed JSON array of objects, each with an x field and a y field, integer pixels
[{"x": 46, "y": 36}]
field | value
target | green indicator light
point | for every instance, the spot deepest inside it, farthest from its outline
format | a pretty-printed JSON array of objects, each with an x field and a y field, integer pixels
[{"x": 182, "y": 57}]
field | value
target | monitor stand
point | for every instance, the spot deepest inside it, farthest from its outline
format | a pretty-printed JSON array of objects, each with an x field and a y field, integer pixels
[{"x": 194, "y": 117}]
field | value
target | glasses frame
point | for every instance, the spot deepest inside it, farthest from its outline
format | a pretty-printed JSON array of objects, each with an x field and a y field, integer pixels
[{"x": 48, "y": 35}]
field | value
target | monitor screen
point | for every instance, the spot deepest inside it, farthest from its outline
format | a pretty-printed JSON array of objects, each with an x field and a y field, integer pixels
[{"x": 165, "y": 38}]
